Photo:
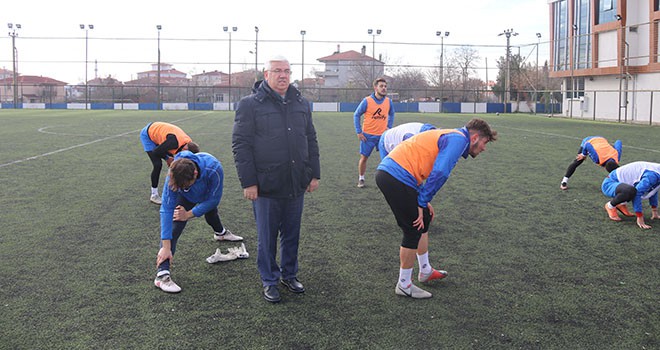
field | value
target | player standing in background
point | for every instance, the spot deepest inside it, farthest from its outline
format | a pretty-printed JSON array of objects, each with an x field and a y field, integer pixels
[{"x": 378, "y": 116}]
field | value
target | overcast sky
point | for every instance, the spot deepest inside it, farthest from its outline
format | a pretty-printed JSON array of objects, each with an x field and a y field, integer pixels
[{"x": 124, "y": 38}]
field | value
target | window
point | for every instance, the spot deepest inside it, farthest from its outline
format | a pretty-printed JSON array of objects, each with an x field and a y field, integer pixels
[
  {"x": 582, "y": 40},
  {"x": 560, "y": 28},
  {"x": 606, "y": 11},
  {"x": 578, "y": 87}
]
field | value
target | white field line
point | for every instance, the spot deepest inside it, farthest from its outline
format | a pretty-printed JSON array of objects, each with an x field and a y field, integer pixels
[
  {"x": 577, "y": 138},
  {"x": 86, "y": 143}
]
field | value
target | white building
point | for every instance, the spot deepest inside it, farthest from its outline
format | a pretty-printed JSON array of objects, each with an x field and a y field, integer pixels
[{"x": 606, "y": 52}]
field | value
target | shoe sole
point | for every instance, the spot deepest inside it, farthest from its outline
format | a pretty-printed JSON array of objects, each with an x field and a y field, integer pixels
[{"x": 272, "y": 301}]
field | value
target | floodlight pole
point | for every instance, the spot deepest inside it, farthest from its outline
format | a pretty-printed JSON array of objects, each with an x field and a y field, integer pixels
[
  {"x": 226, "y": 29},
  {"x": 373, "y": 51},
  {"x": 13, "y": 34},
  {"x": 159, "y": 97},
  {"x": 256, "y": 50},
  {"x": 86, "y": 29},
  {"x": 302, "y": 73},
  {"x": 442, "y": 64},
  {"x": 536, "y": 100}
]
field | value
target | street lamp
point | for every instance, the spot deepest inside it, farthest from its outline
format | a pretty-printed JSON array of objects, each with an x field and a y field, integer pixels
[
  {"x": 442, "y": 64},
  {"x": 302, "y": 74},
  {"x": 158, "y": 27},
  {"x": 13, "y": 34},
  {"x": 507, "y": 94},
  {"x": 226, "y": 29},
  {"x": 373, "y": 51},
  {"x": 86, "y": 29}
]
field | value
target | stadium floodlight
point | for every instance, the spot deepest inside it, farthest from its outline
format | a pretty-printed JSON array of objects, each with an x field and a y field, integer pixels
[
  {"x": 86, "y": 29},
  {"x": 226, "y": 29}
]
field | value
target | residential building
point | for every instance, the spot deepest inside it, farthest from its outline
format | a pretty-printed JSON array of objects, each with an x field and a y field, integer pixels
[
  {"x": 350, "y": 68},
  {"x": 606, "y": 53},
  {"x": 33, "y": 89}
]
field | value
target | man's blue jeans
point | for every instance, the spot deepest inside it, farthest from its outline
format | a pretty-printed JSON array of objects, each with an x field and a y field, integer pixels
[{"x": 277, "y": 217}]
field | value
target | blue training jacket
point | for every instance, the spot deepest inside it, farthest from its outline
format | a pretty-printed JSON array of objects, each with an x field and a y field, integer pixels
[{"x": 206, "y": 192}]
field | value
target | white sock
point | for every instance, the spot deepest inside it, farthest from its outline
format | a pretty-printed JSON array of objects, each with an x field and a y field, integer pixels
[
  {"x": 609, "y": 205},
  {"x": 221, "y": 233},
  {"x": 565, "y": 179},
  {"x": 424, "y": 265},
  {"x": 154, "y": 190},
  {"x": 405, "y": 277},
  {"x": 361, "y": 177}
]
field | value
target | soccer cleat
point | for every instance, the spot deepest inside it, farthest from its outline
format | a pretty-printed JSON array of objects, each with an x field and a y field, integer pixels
[
  {"x": 227, "y": 236},
  {"x": 218, "y": 257},
  {"x": 412, "y": 291},
  {"x": 166, "y": 284},
  {"x": 434, "y": 275},
  {"x": 612, "y": 213},
  {"x": 360, "y": 183},
  {"x": 155, "y": 199},
  {"x": 563, "y": 186},
  {"x": 624, "y": 209}
]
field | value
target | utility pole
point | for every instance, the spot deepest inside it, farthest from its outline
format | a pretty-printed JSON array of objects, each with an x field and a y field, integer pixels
[{"x": 507, "y": 94}]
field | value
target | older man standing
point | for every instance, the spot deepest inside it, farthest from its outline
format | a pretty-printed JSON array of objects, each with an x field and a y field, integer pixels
[{"x": 277, "y": 160}]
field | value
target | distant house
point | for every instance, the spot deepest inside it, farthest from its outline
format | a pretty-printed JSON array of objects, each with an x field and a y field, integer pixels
[
  {"x": 33, "y": 89},
  {"x": 211, "y": 78},
  {"x": 6, "y": 73},
  {"x": 350, "y": 69},
  {"x": 173, "y": 85}
]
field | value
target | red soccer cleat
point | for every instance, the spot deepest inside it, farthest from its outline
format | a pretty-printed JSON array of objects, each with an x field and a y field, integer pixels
[
  {"x": 623, "y": 208},
  {"x": 612, "y": 213},
  {"x": 434, "y": 275}
]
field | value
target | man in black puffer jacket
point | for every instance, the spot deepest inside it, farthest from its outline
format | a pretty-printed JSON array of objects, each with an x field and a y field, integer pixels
[{"x": 277, "y": 160}]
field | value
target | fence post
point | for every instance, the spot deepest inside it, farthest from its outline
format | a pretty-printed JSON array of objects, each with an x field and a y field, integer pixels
[{"x": 651, "y": 109}]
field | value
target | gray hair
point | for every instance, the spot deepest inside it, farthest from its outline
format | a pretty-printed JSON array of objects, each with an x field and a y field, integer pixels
[{"x": 277, "y": 58}]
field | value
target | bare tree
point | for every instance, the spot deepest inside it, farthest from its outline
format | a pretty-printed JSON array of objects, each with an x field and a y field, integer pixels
[{"x": 466, "y": 59}]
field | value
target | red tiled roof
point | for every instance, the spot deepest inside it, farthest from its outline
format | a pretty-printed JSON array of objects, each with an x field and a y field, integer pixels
[
  {"x": 33, "y": 79},
  {"x": 346, "y": 56}
]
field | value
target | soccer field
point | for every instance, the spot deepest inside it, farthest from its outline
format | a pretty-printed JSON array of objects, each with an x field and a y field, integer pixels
[{"x": 530, "y": 266}]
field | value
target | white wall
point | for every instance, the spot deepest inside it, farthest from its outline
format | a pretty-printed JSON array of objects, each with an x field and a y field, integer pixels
[{"x": 607, "y": 49}]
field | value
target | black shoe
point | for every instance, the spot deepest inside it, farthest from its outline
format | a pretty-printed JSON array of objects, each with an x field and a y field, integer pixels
[
  {"x": 294, "y": 285},
  {"x": 272, "y": 294}
]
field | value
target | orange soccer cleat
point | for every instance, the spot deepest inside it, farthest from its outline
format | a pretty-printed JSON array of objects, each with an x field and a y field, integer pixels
[
  {"x": 623, "y": 208},
  {"x": 612, "y": 213}
]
